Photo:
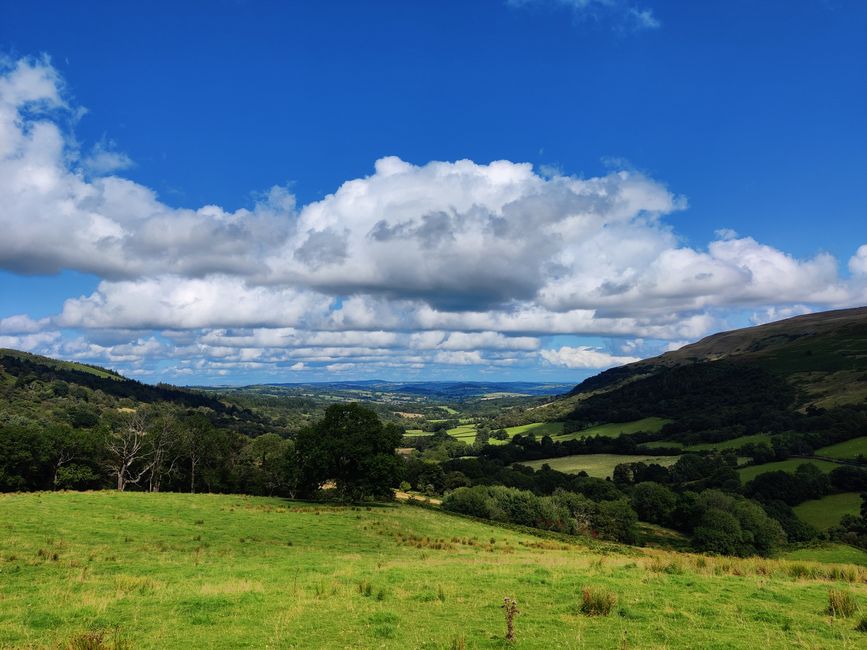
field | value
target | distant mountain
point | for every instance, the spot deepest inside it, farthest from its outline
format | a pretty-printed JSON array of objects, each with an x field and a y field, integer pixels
[{"x": 438, "y": 390}]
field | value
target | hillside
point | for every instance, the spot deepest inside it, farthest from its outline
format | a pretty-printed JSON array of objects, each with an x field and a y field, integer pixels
[
  {"x": 823, "y": 355},
  {"x": 181, "y": 571}
]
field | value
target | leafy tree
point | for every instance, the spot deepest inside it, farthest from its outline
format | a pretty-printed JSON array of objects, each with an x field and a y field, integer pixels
[
  {"x": 351, "y": 447},
  {"x": 266, "y": 465},
  {"x": 653, "y": 502}
]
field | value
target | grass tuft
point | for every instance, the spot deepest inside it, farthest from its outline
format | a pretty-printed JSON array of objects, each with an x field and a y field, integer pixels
[
  {"x": 841, "y": 603},
  {"x": 596, "y": 601}
]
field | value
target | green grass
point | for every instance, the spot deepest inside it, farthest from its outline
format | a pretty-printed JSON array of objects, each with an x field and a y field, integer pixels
[
  {"x": 827, "y": 511},
  {"x": 465, "y": 432},
  {"x": 659, "y": 444},
  {"x": 789, "y": 465},
  {"x": 206, "y": 571},
  {"x": 538, "y": 428},
  {"x": 613, "y": 430},
  {"x": 599, "y": 465},
  {"x": 837, "y": 553},
  {"x": 846, "y": 450},
  {"x": 734, "y": 443}
]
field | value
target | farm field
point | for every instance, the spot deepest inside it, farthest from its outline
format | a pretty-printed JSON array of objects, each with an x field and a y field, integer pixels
[
  {"x": 207, "y": 571},
  {"x": 845, "y": 450},
  {"x": 789, "y": 465},
  {"x": 598, "y": 465},
  {"x": 540, "y": 429},
  {"x": 827, "y": 511},
  {"x": 840, "y": 553},
  {"x": 734, "y": 443},
  {"x": 465, "y": 432},
  {"x": 612, "y": 430}
]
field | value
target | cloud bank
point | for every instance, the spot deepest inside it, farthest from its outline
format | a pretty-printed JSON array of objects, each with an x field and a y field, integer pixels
[{"x": 435, "y": 265}]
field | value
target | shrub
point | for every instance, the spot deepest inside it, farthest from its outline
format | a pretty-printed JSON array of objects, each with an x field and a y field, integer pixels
[
  {"x": 841, "y": 603},
  {"x": 597, "y": 601}
]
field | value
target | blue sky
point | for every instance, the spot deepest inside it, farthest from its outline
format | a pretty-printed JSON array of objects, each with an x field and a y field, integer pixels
[{"x": 691, "y": 166}]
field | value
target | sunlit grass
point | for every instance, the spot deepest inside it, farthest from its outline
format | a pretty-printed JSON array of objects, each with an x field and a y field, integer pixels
[{"x": 202, "y": 571}]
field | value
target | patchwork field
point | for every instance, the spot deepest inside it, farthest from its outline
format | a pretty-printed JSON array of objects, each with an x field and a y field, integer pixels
[
  {"x": 599, "y": 465},
  {"x": 540, "y": 429},
  {"x": 790, "y": 465},
  {"x": 205, "y": 571},
  {"x": 613, "y": 430},
  {"x": 827, "y": 511},
  {"x": 846, "y": 450}
]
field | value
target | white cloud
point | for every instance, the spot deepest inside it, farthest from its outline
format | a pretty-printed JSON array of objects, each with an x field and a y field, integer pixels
[
  {"x": 584, "y": 357},
  {"x": 39, "y": 342},
  {"x": 449, "y": 263},
  {"x": 858, "y": 262},
  {"x": 180, "y": 303},
  {"x": 105, "y": 159},
  {"x": 770, "y": 314},
  {"x": 22, "y": 324}
]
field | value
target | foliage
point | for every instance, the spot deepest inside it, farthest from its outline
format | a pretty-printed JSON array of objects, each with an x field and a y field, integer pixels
[
  {"x": 564, "y": 512},
  {"x": 351, "y": 447}
]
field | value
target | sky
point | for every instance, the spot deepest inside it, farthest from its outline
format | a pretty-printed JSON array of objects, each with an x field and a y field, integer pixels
[{"x": 236, "y": 192}]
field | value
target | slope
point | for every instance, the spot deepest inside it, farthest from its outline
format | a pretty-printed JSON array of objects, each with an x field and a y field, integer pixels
[{"x": 181, "y": 571}]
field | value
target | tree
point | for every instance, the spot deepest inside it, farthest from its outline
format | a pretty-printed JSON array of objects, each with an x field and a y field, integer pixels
[
  {"x": 164, "y": 448},
  {"x": 351, "y": 447},
  {"x": 129, "y": 456},
  {"x": 653, "y": 502},
  {"x": 266, "y": 465}
]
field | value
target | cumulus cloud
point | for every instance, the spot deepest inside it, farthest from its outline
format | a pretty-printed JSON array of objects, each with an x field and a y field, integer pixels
[
  {"x": 190, "y": 303},
  {"x": 53, "y": 217},
  {"x": 451, "y": 263},
  {"x": 858, "y": 262},
  {"x": 584, "y": 357},
  {"x": 22, "y": 324}
]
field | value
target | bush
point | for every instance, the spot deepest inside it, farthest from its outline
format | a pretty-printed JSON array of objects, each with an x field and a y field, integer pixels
[{"x": 597, "y": 602}]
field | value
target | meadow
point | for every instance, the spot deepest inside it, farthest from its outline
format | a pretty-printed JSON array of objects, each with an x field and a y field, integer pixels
[
  {"x": 749, "y": 472},
  {"x": 827, "y": 511},
  {"x": 598, "y": 465},
  {"x": 849, "y": 449},
  {"x": 614, "y": 429},
  {"x": 193, "y": 571}
]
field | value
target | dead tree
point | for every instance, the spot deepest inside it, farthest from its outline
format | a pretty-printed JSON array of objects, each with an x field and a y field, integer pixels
[{"x": 130, "y": 457}]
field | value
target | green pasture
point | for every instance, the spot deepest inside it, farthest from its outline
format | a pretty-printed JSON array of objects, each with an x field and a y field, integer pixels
[{"x": 166, "y": 571}]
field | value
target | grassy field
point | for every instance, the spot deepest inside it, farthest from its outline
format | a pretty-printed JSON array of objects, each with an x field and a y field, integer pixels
[
  {"x": 839, "y": 553},
  {"x": 201, "y": 571},
  {"x": 849, "y": 449},
  {"x": 465, "y": 432},
  {"x": 827, "y": 511},
  {"x": 615, "y": 429},
  {"x": 790, "y": 465},
  {"x": 734, "y": 443},
  {"x": 538, "y": 428},
  {"x": 599, "y": 465}
]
